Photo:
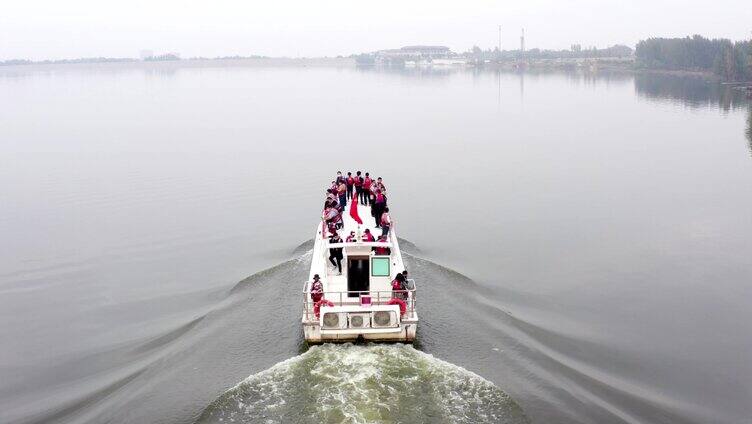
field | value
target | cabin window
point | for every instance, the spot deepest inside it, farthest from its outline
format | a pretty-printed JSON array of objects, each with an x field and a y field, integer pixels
[{"x": 380, "y": 267}]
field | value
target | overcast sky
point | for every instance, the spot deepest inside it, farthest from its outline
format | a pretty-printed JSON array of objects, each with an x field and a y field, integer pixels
[{"x": 40, "y": 29}]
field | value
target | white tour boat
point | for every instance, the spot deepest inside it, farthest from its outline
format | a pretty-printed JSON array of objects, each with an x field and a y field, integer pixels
[{"x": 359, "y": 303}]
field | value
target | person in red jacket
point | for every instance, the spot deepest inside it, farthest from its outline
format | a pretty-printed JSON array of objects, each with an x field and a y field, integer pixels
[
  {"x": 398, "y": 289},
  {"x": 380, "y": 185},
  {"x": 367, "y": 236},
  {"x": 366, "y": 192},
  {"x": 382, "y": 250},
  {"x": 333, "y": 217},
  {"x": 379, "y": 204},
  {"x": 349, "y": 181},
  {"x": 317, "y": 289}
]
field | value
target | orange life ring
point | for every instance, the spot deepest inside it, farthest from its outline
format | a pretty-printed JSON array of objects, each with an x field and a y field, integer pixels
[
  {"x": 317, "y": 306},
  {"x": 400, "y": 302}
]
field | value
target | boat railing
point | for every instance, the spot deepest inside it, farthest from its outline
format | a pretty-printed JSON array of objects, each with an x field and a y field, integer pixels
[
  {"x": 353, "y": 298},
  {"x": 329, "y": 245}
]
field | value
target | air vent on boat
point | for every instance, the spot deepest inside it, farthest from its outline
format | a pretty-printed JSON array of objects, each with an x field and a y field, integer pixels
[
  {"x": 384, "y": 319},
  {"x": 333, "y": 320},
  {"x": 360, "y": 320}
]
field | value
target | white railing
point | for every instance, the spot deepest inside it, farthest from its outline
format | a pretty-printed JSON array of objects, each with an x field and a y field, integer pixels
[
  {"x": 344, "y": 298},
  {"x": 358, "y": 244}
]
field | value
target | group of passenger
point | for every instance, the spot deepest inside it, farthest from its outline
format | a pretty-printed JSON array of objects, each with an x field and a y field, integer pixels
[
  {"x": 332, "y": 214},
  {"x": 367, "y": 191},
  {"x": 366, "y": 188}
]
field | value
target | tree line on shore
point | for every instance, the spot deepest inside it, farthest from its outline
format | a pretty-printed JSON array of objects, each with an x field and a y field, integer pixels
[
  {"x": 575, "y": 52},
  {"x": 15, "y": 62},
  {"x": 731, "y": 61},
  {"x": 159, "y": 58}
]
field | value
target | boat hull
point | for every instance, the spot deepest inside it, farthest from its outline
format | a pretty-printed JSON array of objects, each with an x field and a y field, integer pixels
[{"x": 405, "y": 333}]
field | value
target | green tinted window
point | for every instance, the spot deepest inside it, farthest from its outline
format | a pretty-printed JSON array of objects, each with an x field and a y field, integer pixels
[{"x": 379, "y": 267}]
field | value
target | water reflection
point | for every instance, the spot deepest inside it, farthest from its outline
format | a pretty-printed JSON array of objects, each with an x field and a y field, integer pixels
[
  {"x": 416, "y": 72},
  {"x": 688, "y": 91},
  {"x": 150, "y": 69},
  {"x": 694, "y": 92}
]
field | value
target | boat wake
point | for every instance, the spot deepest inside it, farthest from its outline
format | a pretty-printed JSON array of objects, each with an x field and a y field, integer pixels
[
  {"x": 364, "y": 384},
  {"x": 181, "y": 373}
]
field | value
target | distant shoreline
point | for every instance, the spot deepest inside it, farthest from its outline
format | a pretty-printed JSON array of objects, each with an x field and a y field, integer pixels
[
  {"x": 183, "y": 62},
  {"x": 594, "y": 65}
]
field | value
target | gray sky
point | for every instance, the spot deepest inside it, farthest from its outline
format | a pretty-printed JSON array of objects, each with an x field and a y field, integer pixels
[{"x": 39, "y": 29}]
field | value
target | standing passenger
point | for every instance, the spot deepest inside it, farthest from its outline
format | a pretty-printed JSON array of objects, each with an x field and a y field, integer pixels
[
  {"x": 342, "y": 192},
  {"x": 333, "y": 189},
  {"x": 378, "y": 207},
  {"x": 380, "y": 185},
  {"x": 349, "y": 181},
  {"x": 372, "y": 193},
  {"x": 386, "y": 222},
  {"x": 366, "y": 193},
  {"x": 335, "y": 253},
  {"x": 374, "y": 207},
  {"x": 317, "y": 289}
]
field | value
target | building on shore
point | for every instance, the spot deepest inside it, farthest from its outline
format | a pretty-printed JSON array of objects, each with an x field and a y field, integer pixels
[{"x": 412, "y": 54}]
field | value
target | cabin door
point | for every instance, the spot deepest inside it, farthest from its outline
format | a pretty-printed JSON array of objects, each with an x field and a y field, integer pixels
[{"x": 357, "y": 275}]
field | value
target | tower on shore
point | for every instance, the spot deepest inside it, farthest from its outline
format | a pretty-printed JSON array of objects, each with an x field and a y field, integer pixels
[
  {"x": 522, "y": 41},
  {"x": 499, "y": 38}
]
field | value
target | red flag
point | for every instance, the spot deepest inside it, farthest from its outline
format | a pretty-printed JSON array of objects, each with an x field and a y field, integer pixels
[{"x": 354, "y": 209}]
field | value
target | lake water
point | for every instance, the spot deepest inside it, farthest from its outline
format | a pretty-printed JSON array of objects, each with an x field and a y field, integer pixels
[{"x": 581, "y": 241}]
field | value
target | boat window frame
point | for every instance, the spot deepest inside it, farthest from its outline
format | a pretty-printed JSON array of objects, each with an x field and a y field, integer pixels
[{"x": 380, "y": 259}]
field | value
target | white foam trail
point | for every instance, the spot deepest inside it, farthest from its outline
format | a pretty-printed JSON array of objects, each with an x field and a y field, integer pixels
[{"x": 364, "y": 384}]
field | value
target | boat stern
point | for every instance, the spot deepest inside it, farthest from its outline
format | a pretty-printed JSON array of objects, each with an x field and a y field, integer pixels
[{"x": 349, "y": 323}]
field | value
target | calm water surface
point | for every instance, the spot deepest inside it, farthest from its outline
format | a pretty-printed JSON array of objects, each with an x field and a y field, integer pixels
[{"x": 582, "y": 244}]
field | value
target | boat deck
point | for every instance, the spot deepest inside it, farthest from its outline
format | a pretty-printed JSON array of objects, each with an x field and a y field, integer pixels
[{"x": 338, "y": 283}]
